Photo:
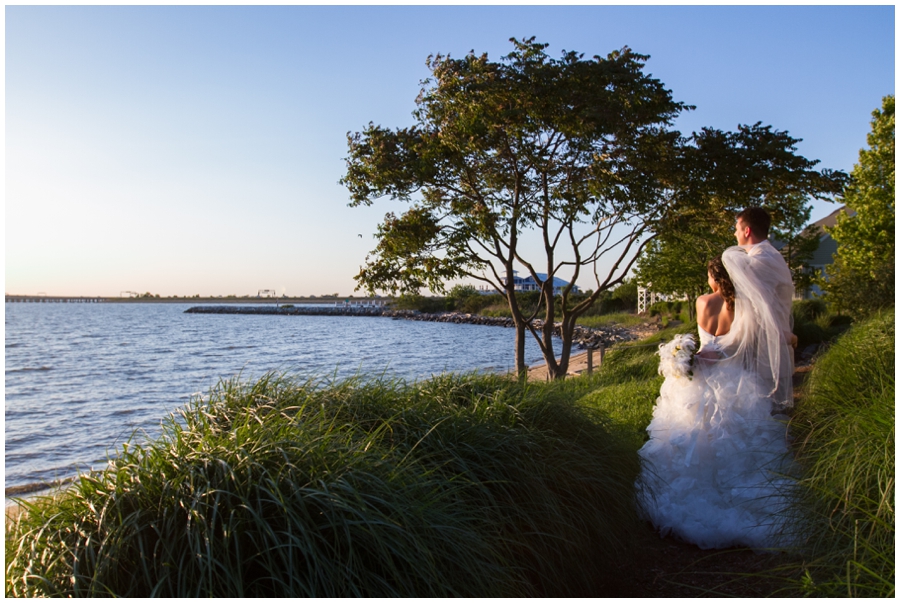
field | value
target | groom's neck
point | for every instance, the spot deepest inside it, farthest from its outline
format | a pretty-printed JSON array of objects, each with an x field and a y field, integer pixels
[{"x": 753, "y": 240}]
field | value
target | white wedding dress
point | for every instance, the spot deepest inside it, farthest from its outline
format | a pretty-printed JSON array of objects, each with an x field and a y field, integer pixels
[{"x": 713, "y": 469}]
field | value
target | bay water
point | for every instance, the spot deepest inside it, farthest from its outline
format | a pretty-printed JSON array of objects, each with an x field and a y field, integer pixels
[{"x": 81, "y": 379}]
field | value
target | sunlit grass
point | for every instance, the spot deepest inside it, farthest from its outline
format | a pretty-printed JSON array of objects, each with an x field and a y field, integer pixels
[
  {"x": 627, "y": 385},
  {"x": 845, "y": 427},
  {"x": 621, "y": 319}
]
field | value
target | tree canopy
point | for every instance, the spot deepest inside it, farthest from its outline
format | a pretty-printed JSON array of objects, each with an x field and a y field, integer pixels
[
  {"x": 724, "y": 173},
  {"x": 576, "y": 150},
  {"x": 861, "y": 279},
  {"x": 580, "y": 153}
]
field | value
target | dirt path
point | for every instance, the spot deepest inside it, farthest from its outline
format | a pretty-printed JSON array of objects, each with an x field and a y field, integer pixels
[{"x": 666, "y": 567}]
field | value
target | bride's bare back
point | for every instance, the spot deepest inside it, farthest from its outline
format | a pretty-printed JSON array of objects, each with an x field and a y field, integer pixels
[{"x": 713, "y": 314}]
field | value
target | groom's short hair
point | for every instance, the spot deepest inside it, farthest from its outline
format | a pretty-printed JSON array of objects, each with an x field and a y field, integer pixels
[{"x": 758, "y": 220}]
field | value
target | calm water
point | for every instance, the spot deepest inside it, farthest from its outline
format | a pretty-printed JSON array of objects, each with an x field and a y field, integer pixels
[{"x": 81, "y": 378}]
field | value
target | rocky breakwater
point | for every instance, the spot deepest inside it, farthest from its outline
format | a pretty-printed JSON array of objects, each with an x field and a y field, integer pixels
[
  {"x": 583, "y": 337},
  {"x": 288, "y": 310}
]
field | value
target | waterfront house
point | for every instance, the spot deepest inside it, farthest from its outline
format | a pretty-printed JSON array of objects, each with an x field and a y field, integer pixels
[{"x": 528, "y": 283}]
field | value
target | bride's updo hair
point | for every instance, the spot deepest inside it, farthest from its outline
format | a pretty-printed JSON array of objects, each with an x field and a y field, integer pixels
[{"x": 720, "y": 275}]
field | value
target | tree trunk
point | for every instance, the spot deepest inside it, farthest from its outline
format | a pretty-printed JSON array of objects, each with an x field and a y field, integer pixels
[
  {"x": 567, "y": 332},
  {"x": 519, "y": 324},
  {"x": 521, "y": 367},
  {"x": 547, "y": 336}
]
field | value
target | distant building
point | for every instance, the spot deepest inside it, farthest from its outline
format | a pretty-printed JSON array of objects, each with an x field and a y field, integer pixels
[
  {"x": 529, "y": 284},
  {"x": 647, "y": 297},
  {"x": 824, "y": 254}
]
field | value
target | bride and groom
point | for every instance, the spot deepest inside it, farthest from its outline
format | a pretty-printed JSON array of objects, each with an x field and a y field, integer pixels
[{"x": 713, "y": 468}]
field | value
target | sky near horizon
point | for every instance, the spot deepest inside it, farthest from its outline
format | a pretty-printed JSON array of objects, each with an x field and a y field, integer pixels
[{"x": 197, "y": 150}]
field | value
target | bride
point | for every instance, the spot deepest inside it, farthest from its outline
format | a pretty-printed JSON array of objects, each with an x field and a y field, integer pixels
[{"x": 713, "y": 469}]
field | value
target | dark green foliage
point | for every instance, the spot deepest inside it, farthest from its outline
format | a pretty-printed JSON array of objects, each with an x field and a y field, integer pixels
[
  {"x": 809, "y": 332},
  {"x": 622, "y": 299},
  {"x": 459, "y": 486},
  {"x": 462, "y": 297},
  {"x": 808, "y": 309},
  {"x": 845, "y": 432},
  {"x": 430, "y": 305},
  {"x": 814, "y": 325},
  {"x": 838, "y": 320},
  {"x": 626, "y": 295},
  {"x": 475, "y": 303},
  {"x": 671, "y": 310}
]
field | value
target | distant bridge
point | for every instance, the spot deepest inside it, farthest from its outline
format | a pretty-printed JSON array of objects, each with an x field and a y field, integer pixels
[{"x": 51, "y": 299}]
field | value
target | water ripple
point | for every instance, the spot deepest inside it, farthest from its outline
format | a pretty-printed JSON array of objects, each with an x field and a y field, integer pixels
[{"x": 81, "y": 378}]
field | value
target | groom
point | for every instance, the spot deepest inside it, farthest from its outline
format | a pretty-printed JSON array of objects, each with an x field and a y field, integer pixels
[{"x": 768, "y": 265}]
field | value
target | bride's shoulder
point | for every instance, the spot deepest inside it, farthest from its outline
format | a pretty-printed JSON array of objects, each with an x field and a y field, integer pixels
[{"x": 710, "y": 299}]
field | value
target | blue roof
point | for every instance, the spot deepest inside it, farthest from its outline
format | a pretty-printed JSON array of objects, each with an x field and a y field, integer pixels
[{"x": 557, "y": 282}]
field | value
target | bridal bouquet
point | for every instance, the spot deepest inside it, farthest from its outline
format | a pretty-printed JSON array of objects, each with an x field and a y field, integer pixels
[{"x": 677, "y": 356}]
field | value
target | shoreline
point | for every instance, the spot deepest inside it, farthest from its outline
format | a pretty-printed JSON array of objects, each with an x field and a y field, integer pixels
[
  {"x": 14, "y": 298},
  {"x": 584, "y": 338}
]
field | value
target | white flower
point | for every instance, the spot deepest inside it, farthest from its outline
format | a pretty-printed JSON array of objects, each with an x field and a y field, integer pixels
[{"x": 675, "y": 357}]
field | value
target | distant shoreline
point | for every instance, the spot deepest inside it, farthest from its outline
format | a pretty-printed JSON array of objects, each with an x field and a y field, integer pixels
[{"x": 192, "y": 300}]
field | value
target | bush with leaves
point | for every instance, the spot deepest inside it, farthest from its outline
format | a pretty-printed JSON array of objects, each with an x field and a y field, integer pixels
[{"x": 861, "y": 280}]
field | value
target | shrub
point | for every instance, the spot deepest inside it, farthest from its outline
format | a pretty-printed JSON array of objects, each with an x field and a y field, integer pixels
[
  {"x": 428, "y": 305},
  {"x": 672, "y": 310},
  {"x": 813, "y": 324},
  {"x": 626, "y": 295},
  {"x": 808, "y": 309},
  {"x": 809, "y": 333},
  {"x": 838, "y": 320}
]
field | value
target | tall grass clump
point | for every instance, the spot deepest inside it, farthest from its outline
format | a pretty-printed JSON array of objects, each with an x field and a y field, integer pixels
[
  {"x": 457, "y": 486},
  {"x": 845, "y": 430}
]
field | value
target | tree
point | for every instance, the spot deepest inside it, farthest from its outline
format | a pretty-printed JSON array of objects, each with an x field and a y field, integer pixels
[
  {"x": 861, "y": 279},
  {"x": 676, "y": 265},
  {"x": 578, "y": 151},
  {"x": 789, "y": 220},
  {"x": 725, "y": 172},
  {"x": 459, "y": 294},
  {"x": 626, "y": 293}
]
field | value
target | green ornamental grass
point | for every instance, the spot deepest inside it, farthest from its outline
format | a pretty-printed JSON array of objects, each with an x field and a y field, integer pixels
[
  {"x": 458, "y": 486},
  {"x": 845, "y": 434}
]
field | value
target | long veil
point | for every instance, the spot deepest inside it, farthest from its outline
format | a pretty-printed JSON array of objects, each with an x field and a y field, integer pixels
[{"x": 757, "y": 340}]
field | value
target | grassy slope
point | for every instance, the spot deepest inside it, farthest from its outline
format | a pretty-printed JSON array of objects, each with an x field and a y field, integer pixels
[{"x": 468, "y": 485}]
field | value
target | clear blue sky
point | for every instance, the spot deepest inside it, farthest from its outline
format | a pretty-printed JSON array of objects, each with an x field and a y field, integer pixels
[{"x": 197, "y": 150}]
